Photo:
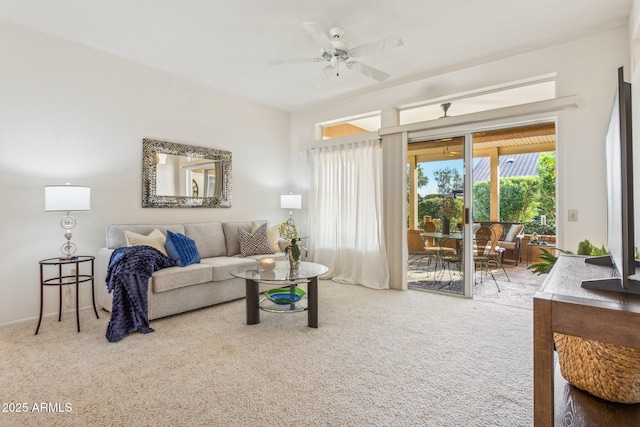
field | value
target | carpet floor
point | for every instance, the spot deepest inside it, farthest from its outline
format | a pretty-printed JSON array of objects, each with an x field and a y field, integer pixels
[{"x": 379, "y": 358}]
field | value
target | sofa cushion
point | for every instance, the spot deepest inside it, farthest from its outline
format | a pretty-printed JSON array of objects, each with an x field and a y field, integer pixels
[
  {"x": 155, "y": 239},
  {"x": 182, "y": 249},
  {"x": 231, "y": 234},
  {"x": 115, "y": 232},
  {"x": 255, "y": 243},
  {"x": 223, "y": 266},
  {"x": 209, "y": 238},
  {"x": 180, "y": 277}
]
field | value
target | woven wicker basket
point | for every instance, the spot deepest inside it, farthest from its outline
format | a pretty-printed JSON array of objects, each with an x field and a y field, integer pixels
[{"x": 608, "y": 371}]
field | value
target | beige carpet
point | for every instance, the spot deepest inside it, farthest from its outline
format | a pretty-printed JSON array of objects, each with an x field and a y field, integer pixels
[{"x": 379, "y": 358}]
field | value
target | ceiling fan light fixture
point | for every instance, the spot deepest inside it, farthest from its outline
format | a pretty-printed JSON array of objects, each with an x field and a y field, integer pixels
[
  {"x": 336, "y": 32},
  {"x": 336, "y": 51}
]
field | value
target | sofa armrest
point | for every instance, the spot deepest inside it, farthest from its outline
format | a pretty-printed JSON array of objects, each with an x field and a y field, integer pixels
[{"x": 103, "y": 297}]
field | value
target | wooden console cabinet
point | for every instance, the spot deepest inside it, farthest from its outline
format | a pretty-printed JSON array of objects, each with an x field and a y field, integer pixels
[{"x": 561, "y": 305}]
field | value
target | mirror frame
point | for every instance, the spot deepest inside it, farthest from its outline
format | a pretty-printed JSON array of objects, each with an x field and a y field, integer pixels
[{"x": 152, "y": 147}]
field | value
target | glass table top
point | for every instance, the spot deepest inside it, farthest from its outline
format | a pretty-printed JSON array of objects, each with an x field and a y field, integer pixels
[
  {"x": 63, "y": 260},
  {"x": 282, "y": 272}
]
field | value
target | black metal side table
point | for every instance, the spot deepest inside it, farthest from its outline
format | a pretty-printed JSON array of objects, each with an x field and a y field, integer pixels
[{"x": 66, "y": 278}]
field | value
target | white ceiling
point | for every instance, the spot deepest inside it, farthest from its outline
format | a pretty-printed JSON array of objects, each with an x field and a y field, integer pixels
[{"x": 226, "y": 44}]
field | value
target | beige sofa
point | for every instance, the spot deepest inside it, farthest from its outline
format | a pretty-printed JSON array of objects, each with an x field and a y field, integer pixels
[{"x": 177, "y": 289}]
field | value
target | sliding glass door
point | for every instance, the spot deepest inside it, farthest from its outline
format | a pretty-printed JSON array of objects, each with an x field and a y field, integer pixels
[
  {"x": 507, "y": 172},
  {"x": 438, "y": 238}
]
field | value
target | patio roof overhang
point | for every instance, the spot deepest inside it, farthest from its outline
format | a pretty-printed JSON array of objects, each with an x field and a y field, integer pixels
[{"x": 520, "y": 140}]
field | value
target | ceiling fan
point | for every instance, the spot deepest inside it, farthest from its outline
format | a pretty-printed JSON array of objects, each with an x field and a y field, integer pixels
[{"x": 337, "y": 53}]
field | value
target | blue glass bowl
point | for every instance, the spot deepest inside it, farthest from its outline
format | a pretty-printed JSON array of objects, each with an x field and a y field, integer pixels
[{"x": 284, "y": 296}]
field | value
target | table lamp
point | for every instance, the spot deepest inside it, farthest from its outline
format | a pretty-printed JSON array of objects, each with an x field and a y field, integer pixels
[
  {"x": 291, "y": 201},
  {"x": 67, "y": 198}
]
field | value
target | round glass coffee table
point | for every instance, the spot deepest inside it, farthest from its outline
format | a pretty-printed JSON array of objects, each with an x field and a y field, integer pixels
[{"x": 282, "y": 276}]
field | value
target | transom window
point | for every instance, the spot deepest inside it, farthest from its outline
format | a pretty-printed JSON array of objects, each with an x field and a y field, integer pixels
[
  {"x": 479, "y": 101},
  {"x": 354, "y": 125}
]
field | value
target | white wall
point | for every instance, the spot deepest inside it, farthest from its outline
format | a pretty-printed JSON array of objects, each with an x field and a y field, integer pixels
[
  {"x": 587, "y": 68},
  {"x": 71, "y": 114}
]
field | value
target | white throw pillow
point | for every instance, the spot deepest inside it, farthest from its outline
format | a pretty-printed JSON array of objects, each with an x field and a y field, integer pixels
[
  {"x": 273, "y": 234},
  {"x": 513, "y": 232},
  {"x": 155, "y": 239}
]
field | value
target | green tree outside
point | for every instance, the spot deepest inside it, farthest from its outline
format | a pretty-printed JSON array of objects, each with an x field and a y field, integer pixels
[
  {"x": 521, "y": 198},
  {"x": 448, "y": 179},
  {"x": 481, "y": 201},
  {"x": 547, "y": 176},
  {"x": 431, "y": 204},
  {"x": 423, "y": 180}
]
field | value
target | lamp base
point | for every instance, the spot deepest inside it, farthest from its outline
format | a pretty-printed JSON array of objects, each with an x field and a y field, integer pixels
[{"x": 68, "y": 248}]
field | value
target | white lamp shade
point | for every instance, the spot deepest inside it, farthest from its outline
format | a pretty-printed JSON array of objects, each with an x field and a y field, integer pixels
[
  {"x": 291, "y": 201},
  {"x": 67, "y": 198}
]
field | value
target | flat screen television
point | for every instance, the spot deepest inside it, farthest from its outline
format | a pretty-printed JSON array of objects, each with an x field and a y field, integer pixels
[{"x": 620, "y": 216}]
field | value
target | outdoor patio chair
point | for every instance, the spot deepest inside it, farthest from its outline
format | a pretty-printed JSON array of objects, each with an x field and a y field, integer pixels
[
  {"x": 484, "y": 240},
  {"x": 452, "y": 258},
  {"x": 417, "y": 251},
  {"x": 434, "y": 244},
  {"x": 496, "y": 253}
]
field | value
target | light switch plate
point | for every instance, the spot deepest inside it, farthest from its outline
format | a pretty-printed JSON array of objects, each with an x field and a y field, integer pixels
[{"x": 573, "y": 215}]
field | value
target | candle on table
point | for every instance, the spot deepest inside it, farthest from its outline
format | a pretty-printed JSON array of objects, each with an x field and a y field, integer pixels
[{"x": 267, "y": 264}]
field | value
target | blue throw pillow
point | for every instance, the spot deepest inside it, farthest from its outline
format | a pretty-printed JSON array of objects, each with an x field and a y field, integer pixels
[{"x": 182, "y": 249}]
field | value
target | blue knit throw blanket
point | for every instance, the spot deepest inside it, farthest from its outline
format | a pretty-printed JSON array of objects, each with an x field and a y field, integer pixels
[{"x": 128, "y": 277}]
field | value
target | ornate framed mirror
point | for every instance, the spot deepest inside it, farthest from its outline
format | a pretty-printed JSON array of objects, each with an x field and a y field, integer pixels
[{"x": 184, "y": 176}]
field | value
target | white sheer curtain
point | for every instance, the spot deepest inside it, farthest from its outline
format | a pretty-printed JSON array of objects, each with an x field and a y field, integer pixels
[{"x": 345, "y": 213}]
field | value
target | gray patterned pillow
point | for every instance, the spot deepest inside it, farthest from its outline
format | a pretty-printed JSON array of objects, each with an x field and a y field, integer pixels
[{"x": 256, "y": 243}]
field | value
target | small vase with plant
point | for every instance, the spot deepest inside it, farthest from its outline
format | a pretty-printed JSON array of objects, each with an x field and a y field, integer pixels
[
  {"x": 448, "y": 210},
  {"x": 293, "y": 252}
]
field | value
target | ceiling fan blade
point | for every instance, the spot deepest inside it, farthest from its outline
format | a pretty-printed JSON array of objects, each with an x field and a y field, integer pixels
[
  {"x": 368, "y": 71},
  {"x": 294, "y": 61},
  {"x": 325, "y": 75},
  {"x": 318, "y": 35},
  {"x": 379, "y": 46}
]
